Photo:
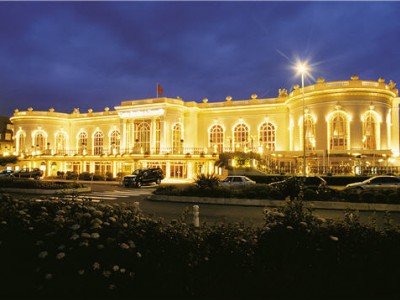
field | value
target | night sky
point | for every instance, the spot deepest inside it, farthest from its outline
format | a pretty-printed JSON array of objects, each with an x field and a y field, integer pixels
[{"x": 97, "y": 54}]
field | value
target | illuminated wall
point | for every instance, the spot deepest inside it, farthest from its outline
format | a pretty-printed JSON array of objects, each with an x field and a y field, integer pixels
[{"x": 173, "y": 126}]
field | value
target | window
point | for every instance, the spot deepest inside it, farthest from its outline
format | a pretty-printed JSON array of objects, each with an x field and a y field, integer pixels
[
  {"x": 309, "y": 127},
  {"x": 21, "y": 141},
  {"x": 98, "y": 142},
  {"x": 217, "y": 139},
  {"x": 177, "y": 140},
  {"x": 61, "y": 143},
  {"x": 115, "y": 141},
  {"x": 143, "y": 136},
  {"x": 8, "y": 136},
  {"x": 267, "y": 136},
  {"x": 339, "y": 131},
  {"x": 82, "y": 142},
  {"x": 370, "y": 126},
  {"x": 40, "y": 141},
  {"x": 241, "y": 136}
]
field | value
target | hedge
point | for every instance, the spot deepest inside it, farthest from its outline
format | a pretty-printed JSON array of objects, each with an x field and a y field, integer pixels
[
  {"x": 60, "y": 249},
  {"x": 24, "y": 183}
]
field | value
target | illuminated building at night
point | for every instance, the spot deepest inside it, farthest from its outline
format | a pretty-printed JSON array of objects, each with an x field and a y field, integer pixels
[{"x": 349, "y": 127}]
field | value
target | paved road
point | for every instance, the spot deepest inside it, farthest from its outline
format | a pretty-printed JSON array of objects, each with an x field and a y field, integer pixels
[{"x": 112, "y": 193}]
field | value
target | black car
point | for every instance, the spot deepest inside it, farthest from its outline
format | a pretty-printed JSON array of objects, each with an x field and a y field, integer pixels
[
  {"x": 143, "y": 176},
  {"x": 6, "y": 173}
]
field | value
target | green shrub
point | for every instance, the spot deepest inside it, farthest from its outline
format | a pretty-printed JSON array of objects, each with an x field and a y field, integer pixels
[
  {"x": 71, "y": 175},
  {"x": 206, "y": 181},
  {"x": 85, "y": 176}
]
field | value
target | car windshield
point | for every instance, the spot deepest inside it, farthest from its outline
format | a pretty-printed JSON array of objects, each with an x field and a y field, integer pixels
[{"x": 136, "y": 172}]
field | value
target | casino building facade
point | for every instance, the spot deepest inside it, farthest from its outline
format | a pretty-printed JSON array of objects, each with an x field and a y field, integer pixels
[{"x": 349, "y": 127}]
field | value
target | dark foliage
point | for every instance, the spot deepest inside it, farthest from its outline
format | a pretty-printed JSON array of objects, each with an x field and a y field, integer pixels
[
  {"x": 5, "y": 160},
  {"x": 75, "y": 250}
]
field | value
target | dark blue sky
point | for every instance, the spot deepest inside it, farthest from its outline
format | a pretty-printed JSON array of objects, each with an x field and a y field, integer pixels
[{"x": 97, "y": 54}]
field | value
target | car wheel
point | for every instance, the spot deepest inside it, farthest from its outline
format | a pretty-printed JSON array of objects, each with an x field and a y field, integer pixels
[
  {"x": 138, "y": 184},
  {"x": 158, "y": 181}
]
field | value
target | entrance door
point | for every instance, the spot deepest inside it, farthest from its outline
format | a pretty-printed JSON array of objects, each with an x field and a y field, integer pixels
[{"x": 178, "y": 170}]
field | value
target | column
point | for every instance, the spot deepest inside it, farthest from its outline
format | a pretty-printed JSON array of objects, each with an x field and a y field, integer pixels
[
  {"x": 167, "y": 169},
  {"x": 114, "y": 168},
  {"x": 190, "y": 170}
]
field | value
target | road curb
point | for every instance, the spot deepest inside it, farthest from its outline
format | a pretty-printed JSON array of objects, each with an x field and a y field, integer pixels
[{"x": 277, "y": 203}]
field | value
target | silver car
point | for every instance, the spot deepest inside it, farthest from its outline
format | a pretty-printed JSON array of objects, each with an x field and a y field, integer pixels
[
  {"x": 382, "y": 182},
  {"x": 236, "y": 181}
]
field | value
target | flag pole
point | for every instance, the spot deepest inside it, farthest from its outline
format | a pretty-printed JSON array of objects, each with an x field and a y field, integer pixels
[{"x": 157, "y": 89}]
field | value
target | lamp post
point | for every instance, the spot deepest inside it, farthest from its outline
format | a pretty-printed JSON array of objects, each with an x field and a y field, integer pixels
[{"x": 302, "y": 68}]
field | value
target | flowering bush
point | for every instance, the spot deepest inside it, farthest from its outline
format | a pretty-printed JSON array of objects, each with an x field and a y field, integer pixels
[{"x": 75, "y": 250}]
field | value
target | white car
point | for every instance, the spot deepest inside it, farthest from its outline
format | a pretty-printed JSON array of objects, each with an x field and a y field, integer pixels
[
  {"x": 236, "y": 180},
  {"x": 382, "y": 182}
]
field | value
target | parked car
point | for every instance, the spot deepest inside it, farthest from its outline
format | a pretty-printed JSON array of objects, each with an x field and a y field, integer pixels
[
  {"x": 143, "y": 176},
  {"x": 6, "y": 173},
  {"x": 381, "y": 182},
  {"x": 236, "y": 181}
]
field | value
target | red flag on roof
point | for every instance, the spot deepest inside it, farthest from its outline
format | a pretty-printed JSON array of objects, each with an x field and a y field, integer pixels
[{"x": 160, "y": 90}]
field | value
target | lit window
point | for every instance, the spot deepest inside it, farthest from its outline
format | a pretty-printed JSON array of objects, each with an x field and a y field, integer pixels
[
  {"x": 267, "y": 136},
  {"x": 241, "y": 136},
  {"x": 21, "y": 141},
  {"x": 339, "y": 131},
  {"x": 309, "y": 127},
  {"x": 370, "y": 126},
  {"x": 40, "y": 141},
  {"x": 82, "y": 142},
  {"x": 61, "y": 143},
  {"x": 98, "y": 143},
  {"x": 177, "y": 140},
  {"x": 217, "y": 138},
  {"x": 143, "y": 136},
  {"x": 115, "y": 141}
]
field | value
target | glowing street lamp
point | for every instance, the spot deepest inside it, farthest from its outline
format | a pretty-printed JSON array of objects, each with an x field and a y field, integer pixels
[{"x": 302, "y": 69}]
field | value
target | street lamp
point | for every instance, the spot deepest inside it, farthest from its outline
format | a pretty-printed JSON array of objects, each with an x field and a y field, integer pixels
[{"x": 302, "y": 69}]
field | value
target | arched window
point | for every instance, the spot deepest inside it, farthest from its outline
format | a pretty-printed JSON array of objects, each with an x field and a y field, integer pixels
[
  {"x": 267, "y": 136},
  {"x": 98, "y": 143},
  {"x": 177, "y": 140},
  {"x": 143, "y": 136},
  {"x": 82, "y": 142},
  {"x": 217, "y": 138},
  {"x": 370, "y": 127},
  {"x": 61, "y": 143},
  {"x": 115, "y": 141},
  {"x": 339, "y": 131},
  {"x": 240, "y": 136},
  {"x": 309, "y": 127},
  {"x": 21, "y": 146},
  {"x": 40, "y": 141}
]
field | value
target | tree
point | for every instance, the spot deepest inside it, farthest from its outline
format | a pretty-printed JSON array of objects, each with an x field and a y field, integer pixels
[{"x": 4, "y": 160}]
